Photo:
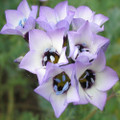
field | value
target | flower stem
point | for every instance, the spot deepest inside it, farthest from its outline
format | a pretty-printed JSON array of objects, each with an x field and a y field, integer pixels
[{"x": 10, "y": 104}]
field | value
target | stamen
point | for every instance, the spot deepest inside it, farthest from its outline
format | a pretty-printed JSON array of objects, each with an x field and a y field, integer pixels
[
  {"x": 92, "y": 80},
  {"x": 63, "y": 78},
  {"x": 81, "y": 48},
  {"x": 87, "y": 79},
  {"x": 50, "y": 55},
  {"x": 61, "y": 83},
  {"x": 86, "y": 74},
  {"x": 85, "y": 50},
  {"x": 52, "y": 58},
  {"x": 66, "y": 86},
  {"x": 45, "y": 58},
  {"x": 86, "y": 84},
  {"x": 22, "y": 22},
  {"x": 56, "y": 88},
  {"x": 57, "y": 80}
]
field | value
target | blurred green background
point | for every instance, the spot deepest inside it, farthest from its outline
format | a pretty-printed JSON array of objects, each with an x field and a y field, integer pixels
[{"x": 17, "y": 98}]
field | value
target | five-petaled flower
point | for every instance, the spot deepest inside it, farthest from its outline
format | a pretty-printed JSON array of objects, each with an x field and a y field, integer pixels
[
  {"x": 20, "y": 21},
  {"x": 44, "y": 47},
  {"x": 85, "y": 42},
  {"x": 58, "y": 87},
  {"x": 93, "y": 80}
]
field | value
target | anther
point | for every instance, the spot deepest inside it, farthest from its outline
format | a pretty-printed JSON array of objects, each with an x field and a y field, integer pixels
[
  {"x": 87, "y": 79},
  {"x": 92, "y": 80},
  {"x": 63, "y": 78},
  {"x": 45, "y": 58},
  {"x": 52, "y": 58},
  {"x": 57, "y": 80}
]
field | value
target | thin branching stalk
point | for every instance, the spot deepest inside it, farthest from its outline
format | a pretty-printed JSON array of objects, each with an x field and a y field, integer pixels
[{"x": 10, "y": 106}]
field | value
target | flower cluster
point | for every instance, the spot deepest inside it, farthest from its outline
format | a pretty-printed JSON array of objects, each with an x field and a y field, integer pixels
[{"x": 65, "y": 52}]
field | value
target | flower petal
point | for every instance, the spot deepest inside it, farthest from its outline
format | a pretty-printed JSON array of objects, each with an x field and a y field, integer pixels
[
  {"x": 85, "y": 13},
  {"x": 33, "y": 13},
  {"x": 9, "y": 29},
  {"x": 44, "y": 25},
  {"x": 80, "y": 69},
  {"x": 61, "y": 10},
  {"x": 58, "y": 103},
  {"x": 24, "y": 8},
  {"x": 47, "y": 15},
  {"x": 100, "y": 19},
  {"x": 72, "y": 95},
  {"x": 40, "y": 74},
  {"x": 86, "y": 57},
  {"x": 30, "y": 24},
  {"x": 39, "y": 40},
  {"x": 98, "y": 43},
  {"x": 99, "y": 63},
  {"x": 63, "y": 24},
  {"x": 72, "y": 36},
  {"x": 106, "y": 79},
  {"x": 63, "y": 59},
  {"x": 70, "y": 16},
  {"x": 86, "y": 35},
  {"x": 31, "y": 61},
  {"x": 68, "y": 69},
  {"x": 57, "y": 39},
  {"x": 96, "y": 97},
  {"x": 77, "y": 23},
  {"x": 13, "y": 17},
  {"x": 51, "y": 71},
  {"x": 45, "y": 90},
  {"x": 96, "y": 28},
  {"x": 82, "y": 96},
  {"x": 71, "y": 8}
]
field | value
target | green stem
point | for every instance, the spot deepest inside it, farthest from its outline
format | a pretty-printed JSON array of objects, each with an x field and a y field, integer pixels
[{"x": 10, "y": 104}]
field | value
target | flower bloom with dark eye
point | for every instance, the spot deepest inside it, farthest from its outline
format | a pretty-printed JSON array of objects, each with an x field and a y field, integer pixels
[
  {"x": 85, "y": 42},
  {"x": 20, "y": 21},
  {"x": 54, "y": 18},
  {"x": 58, "y": 87},
  {"x": 44, "y": 48},
  {"x": 83, "y": 14},
  {"x": 93, "y": 80}
]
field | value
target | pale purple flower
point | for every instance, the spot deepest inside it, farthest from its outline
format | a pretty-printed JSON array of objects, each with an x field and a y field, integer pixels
[
  {"x": 83, "y": 14},
  {"x": 85, "y": 42},
  {"x": 44, "y": 47},
  {"x": 54, "y": 18},
  {"x": 20, "y": 21},
  {"x": 59, "y": 89},
  {"x": 93, "y": 80}
]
